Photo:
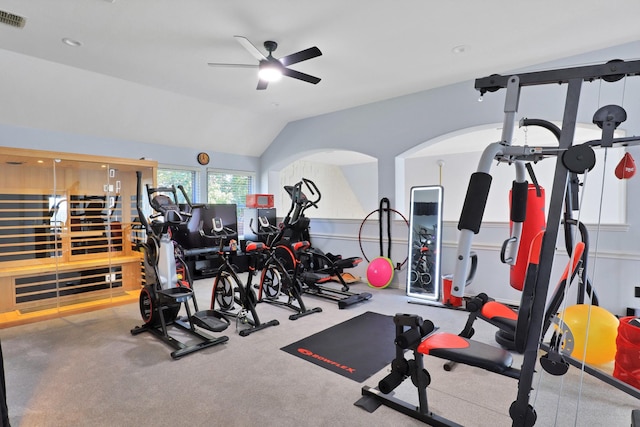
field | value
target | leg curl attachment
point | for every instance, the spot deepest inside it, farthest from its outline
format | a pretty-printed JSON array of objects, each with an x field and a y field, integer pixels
[{"x": 410, "y": 329}]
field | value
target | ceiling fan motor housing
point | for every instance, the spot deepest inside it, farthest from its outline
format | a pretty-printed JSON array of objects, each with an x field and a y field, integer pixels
[{"x": 270, "y": 46}]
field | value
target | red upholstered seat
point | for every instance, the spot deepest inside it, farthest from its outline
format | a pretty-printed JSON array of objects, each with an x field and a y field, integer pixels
[
  {"x": 255, "y": 246},
  {"x": 462, "y": 350},
  {"x": 500, "y": 315}
]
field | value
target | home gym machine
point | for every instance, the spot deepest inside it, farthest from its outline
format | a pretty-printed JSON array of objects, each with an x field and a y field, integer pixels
[
  {"x": 318, "y": 267},
  {"x": 527, "y": 208},
  {"x": 164, "y": 294},
  {"x": 231, "y": 296},
  {"x": 413, "y": 333}
]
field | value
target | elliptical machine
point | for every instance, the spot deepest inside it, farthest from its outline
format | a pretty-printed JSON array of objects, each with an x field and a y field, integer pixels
[
  {"x": 318, "y": 267},
  {"x": 163, "y": 293}
]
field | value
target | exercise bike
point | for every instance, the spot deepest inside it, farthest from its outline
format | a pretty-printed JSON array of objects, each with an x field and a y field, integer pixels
[
  {"x": 317, "y": 268},
  {"x": 233, "y": 297},
  {"x": 164, "y": 294},
  {"x": 278, "y": 280}
]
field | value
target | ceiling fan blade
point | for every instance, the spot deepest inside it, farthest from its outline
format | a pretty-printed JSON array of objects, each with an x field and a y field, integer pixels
[
  {"x": 250, "y": 47},
  {"x": 300, "y": 76},
  {"x": 262, "y": 84},
  {"x": 303, "y": 55},
  {"x": 217, "y": 64}
]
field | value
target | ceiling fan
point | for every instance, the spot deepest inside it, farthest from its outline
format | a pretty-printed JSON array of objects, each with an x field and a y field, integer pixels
[{"x": 270, "y": 68}]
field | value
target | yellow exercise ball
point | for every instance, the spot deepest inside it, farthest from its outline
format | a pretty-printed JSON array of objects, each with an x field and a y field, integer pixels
[{"x": 593, "y": 327}]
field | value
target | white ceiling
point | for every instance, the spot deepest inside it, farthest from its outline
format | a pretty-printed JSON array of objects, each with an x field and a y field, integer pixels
[{"x": 141, "y": 73}]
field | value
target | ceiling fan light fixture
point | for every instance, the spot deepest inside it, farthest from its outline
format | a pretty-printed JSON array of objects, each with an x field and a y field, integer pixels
[
  {"x": 271, "y": 69},
  {"x": 269, "y": 72}
]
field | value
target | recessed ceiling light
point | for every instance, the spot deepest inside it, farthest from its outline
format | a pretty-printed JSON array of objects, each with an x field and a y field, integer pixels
[
  {"x": 459, "y": 49},
  {"x": 71, "y": 42}
]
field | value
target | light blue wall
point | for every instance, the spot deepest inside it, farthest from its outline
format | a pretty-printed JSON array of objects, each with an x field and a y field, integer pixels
[
  {"x": 36, "y": 139},
  {"x": 359, "y": 178},
  {"x": 387, "y": 129}
]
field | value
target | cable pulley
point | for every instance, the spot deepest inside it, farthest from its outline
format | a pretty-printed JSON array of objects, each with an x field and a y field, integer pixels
[{"x": 579, "y": 158}]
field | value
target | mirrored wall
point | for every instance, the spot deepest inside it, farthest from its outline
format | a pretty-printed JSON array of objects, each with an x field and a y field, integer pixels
[{"x": 425, "y": 224}]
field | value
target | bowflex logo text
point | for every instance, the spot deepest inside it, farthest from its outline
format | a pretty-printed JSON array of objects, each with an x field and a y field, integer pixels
[{"x": 312, "y": 355}]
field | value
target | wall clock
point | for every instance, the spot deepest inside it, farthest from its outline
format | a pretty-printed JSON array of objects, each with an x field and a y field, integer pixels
[{"x": 203, "y": 158}]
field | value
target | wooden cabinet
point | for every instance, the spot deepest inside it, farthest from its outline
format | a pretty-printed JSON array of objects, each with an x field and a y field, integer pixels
[{"x": 68, "y": 233}]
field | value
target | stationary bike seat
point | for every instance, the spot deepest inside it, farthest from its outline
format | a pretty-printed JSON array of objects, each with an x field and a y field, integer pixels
[
  {"x": 255, "y": 246},
  {"x": 178, "y": 294},
  {"x": 299, "y": 246},
  {"x": 347, "y": 262}
]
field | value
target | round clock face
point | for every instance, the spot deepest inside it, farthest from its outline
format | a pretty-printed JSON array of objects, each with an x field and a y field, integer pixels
[{"x": 203, "y": 158}]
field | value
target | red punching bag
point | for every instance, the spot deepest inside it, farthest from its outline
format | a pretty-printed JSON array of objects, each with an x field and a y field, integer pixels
[
  {"x": 626, "y": 167},
  {"x": 534, "y": 223}
]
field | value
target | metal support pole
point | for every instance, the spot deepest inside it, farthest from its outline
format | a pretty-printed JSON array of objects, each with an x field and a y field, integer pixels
[{"x": 521, "y": 412}]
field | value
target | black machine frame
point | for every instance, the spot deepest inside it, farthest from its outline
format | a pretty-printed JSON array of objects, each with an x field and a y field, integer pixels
[
  {"x": 164, "y": 295},
  {"x": 570, "y": 159},
  {"x": 234, "y": 297},
  {"x": 276, "y": 279}
]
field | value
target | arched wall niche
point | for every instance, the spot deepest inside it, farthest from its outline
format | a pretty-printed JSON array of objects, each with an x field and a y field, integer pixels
[
  {"x": 450, "y": 159},
  {"x": 347, "y": 181}
]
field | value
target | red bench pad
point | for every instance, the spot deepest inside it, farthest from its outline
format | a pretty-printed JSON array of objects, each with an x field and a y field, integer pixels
[
  {"x": 462, "y": 350},
  {"x": 500, "y": 315}
]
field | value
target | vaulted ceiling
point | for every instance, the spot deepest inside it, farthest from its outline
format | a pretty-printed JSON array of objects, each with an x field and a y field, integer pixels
[{"x": 140, "y": 71}]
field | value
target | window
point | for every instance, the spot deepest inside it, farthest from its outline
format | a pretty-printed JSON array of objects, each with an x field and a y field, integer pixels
[
  {"x": 185, "y": 177},
  {"x": 224, "y": 187}
]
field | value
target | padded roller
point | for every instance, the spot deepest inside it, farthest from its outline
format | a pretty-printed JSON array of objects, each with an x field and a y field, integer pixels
[
  {"x": 519, "y": 192},
  {"x": 427, "y": 327},
  {"x": 409, "y": 339},
  {"x": 475, "y": 201},
  {"x": 390, "y": 382},
  {"x": 475, "y": 304},
  {"x": 401, "y": 366}
]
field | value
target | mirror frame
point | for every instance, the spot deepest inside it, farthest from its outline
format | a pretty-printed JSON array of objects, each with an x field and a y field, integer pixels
[{"x": 420, "y": 283}]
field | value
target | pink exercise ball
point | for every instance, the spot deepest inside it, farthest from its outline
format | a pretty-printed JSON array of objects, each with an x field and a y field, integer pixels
[{"x": 380, "y": 272}]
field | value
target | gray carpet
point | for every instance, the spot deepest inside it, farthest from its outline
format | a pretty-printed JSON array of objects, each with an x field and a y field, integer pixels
[{"x": 88, "y": 370}]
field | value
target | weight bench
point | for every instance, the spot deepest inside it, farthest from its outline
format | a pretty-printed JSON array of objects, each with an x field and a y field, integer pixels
[{"x": 417, "y": 335}]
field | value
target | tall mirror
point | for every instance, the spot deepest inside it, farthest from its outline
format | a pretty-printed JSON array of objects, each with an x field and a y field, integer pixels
[{"x": 425, "y": 225}]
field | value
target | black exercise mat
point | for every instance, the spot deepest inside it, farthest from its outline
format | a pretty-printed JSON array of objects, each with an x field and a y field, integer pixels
[{"x": 356, "y": 348}]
